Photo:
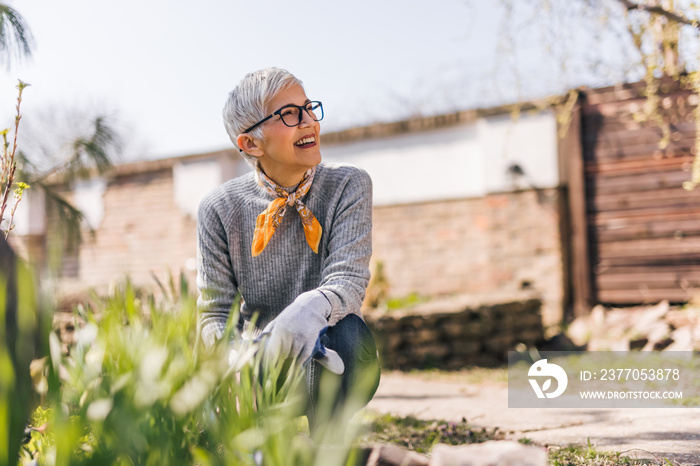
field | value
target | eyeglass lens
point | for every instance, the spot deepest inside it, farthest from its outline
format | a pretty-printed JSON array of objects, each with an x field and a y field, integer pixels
[{"x": 291, "y": 116}]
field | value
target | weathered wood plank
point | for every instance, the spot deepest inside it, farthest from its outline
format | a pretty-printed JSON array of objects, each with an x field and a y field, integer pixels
[
  {"x": 637, "y": 166},
  {"x": 648, "y": 260},
  {"x": 614, "y": 135},
  {"x": 660, "y": 261},
  {"x": 640, "y": 296},
  {"x": 666, "y": 279},
  {"x": 637, "y": 182},
  {"x": 671, "y": 268},
  {"x": 643, "y": 150},
  {"x": 668, "y": 213},
  {"x": 649, "y": 247},
  {"x": 675, "y": 198},
  {"x": 630, "y": 229}
]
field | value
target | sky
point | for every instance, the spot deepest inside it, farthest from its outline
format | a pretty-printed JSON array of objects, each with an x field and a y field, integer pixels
[{"x": 162, "y": 69}]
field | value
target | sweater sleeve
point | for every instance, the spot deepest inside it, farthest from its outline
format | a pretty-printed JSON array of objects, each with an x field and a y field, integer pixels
[
  {"x": 345, "y": 274},
  {"x": 215, "y": 279}
]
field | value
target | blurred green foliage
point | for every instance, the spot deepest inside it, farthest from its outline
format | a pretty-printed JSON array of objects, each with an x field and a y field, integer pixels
[
  {"x": 405, "y": 302},
  {"x": 23, "y": 331},
  {"x": 135, "y": 389}
]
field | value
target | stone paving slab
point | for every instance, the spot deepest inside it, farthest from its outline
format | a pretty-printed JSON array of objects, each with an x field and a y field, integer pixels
[{"x": 652, "y": 433}]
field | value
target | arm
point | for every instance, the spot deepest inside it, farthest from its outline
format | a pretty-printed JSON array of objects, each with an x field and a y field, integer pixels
[
  {"x": 215, "y": 279},
  {"x": 346, "y": 273}
]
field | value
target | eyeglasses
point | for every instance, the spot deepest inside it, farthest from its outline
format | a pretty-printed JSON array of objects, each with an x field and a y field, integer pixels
[{"x": 291, "y": 114}]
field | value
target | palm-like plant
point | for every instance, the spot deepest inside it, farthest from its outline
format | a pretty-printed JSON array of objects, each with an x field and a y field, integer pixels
[
  {"x": 79, "y": 155},
  {"x": 20, "y": 169},
  {"x": 16, "y": 40}
]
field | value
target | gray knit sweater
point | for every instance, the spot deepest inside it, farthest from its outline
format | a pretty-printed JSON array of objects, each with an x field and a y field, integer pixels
[{"x": 340, "y": 198}]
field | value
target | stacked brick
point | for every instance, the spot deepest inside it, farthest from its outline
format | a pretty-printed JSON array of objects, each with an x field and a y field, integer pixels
[{"x": 457, "y": 332}]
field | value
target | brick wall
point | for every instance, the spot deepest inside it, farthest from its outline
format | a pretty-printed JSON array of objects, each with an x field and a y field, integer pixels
[
  {"x": 457, "y": 332},
  {"x": 488, "y": 245},
  {"x": 142, "y": 231}
]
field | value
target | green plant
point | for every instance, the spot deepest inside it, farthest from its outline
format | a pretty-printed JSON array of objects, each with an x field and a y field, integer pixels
[
  {"x": 135, "y": 389},
  {"x": 23, "y": 331},
  {"x": 8, "y": 168},
  {"x": 421, "y": 435},
  {"x": 574, "y": 455},
  {"x": 82, "y": 154},
  {"x": 15, "y": 37}
]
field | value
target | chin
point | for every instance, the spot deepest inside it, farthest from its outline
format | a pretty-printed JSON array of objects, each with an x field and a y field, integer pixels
[{"x": 314, "y": 160}]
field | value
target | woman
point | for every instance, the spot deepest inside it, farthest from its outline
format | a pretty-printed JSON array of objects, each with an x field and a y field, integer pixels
[{"x": 293, "y": 237}]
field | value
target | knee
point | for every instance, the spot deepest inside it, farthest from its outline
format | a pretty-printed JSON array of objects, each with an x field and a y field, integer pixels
[
  {"x": 350, "y": 336},
  {"x": 349, "y": 322},
  {"x": 354, "y": 342}
]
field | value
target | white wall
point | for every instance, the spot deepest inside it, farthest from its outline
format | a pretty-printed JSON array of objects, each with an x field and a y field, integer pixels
[
  {"x": 30, "y": 217},
  {"x": 468, "y": 160},
  {"x": 194, "y": 178},
  {"x": 89, "y": 200},
  {"x": 530, "y": 141}
]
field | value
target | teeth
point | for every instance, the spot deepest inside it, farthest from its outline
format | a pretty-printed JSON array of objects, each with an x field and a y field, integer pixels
[{"x": 305, "y": 141}]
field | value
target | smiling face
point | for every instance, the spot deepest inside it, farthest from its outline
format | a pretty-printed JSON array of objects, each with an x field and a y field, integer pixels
[{"x": 286, "y": 153}]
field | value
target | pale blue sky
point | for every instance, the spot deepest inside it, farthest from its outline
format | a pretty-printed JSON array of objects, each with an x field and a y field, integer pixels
[{"x": 165, "y": 67}]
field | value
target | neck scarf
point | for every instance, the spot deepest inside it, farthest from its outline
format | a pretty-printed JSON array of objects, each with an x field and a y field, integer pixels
[{"x": 271, "y": 218}]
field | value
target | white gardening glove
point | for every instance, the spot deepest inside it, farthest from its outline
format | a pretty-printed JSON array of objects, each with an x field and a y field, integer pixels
[
  {"x": 296, "y": 332},
  {"x": 327, "y": 357}
]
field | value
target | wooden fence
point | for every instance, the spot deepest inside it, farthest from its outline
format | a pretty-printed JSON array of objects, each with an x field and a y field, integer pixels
[{"x": 642, "y": 229}]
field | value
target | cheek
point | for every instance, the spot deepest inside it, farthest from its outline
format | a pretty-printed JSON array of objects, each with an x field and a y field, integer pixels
[{"x": 275, "y": 137}]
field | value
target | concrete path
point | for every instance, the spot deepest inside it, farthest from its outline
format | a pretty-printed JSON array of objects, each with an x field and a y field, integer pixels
[{"x": 652, "y": 433}]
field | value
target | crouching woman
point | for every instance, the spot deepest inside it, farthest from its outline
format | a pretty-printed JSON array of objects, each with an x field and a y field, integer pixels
[{"x": 293, "y": 237}]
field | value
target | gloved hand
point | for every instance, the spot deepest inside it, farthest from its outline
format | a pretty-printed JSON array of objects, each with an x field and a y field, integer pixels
[
  {"x": 327, "y": 357},
  {"x": 295, "y": 332}
]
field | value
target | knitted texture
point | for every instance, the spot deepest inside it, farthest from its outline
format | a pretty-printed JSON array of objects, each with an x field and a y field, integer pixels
[
  {"x": 269, "y": 220},
  {"x": 340, "y": 198}
]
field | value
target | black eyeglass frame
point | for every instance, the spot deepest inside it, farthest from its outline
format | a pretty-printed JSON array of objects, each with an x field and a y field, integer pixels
[{"x": 302, "y": 108}]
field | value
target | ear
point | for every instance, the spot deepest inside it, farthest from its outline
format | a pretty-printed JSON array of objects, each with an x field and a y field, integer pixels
[{"x": 249, "y": 144}]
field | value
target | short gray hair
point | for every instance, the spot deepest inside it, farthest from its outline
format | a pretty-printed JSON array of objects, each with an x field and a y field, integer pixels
[{"x": 247, "y": 102}]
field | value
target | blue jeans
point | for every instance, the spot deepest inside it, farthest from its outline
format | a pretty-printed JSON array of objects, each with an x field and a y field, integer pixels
[{"x": 354, "y": 343}]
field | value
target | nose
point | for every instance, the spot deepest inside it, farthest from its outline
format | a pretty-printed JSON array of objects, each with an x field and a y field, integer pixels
[{"x": 306, "y": 119}]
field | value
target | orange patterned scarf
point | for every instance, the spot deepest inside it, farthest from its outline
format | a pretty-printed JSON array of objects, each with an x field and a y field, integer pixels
[{"x": 270, "y": 218}]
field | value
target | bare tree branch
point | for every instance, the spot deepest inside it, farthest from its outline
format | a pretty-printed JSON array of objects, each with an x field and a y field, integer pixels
[{"x": 656, "y": 9}]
